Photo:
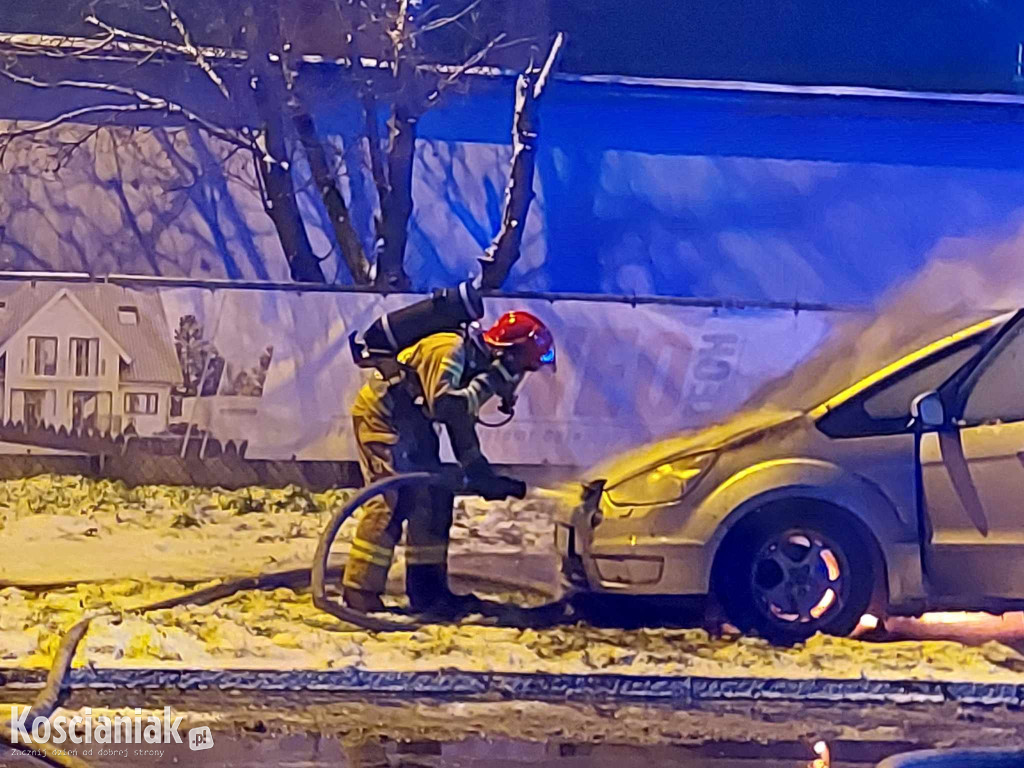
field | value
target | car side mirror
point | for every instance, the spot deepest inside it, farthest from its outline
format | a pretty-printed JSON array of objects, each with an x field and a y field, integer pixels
[{"x": 928, "y": 411}]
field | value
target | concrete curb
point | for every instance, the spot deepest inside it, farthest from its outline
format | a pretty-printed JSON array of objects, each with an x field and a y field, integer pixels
[{"x": 680, "y": 692}]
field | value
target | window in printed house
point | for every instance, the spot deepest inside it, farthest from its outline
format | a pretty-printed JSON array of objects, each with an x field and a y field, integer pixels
[
  {"x": 128, "y": 315},
  {"x": 91, "y": 409},
  {"x": 42, "y": 355},
  {"x": 140, "y": 403},
  {"x": 33, "y": 407},
  {"x": 85, "y": 357}
]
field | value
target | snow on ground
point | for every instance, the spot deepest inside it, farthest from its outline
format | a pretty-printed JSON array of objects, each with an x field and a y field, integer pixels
[
  {"x": 131, "y": 547},
  {"x": 99, "y": 530},
  {"x": 281, "y": 629}
]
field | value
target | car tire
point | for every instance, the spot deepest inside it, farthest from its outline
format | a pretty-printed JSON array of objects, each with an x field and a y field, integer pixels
[{"x": 775, "y": 570}]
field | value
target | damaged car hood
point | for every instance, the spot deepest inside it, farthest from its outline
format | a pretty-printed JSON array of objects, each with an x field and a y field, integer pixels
[{"x": 739, "y": 427}]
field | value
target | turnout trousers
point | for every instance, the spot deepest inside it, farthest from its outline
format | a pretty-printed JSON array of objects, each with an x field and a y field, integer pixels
[{"x": 427, "y": 512}]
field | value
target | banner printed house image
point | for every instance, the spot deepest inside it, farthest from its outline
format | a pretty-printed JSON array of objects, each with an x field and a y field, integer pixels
[{"x": 90, "y": 356}]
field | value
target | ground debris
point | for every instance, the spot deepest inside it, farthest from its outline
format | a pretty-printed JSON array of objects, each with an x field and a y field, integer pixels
[
  {"x": 282, "y": 629},
  {"x": 254, "y": 529}
]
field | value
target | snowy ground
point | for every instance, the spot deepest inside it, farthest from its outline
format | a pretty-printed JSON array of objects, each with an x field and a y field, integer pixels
[
  {"x": 283, "y": 630},
  {"x": 132, "y": 547},
  {"x": 57, "y": 530}
]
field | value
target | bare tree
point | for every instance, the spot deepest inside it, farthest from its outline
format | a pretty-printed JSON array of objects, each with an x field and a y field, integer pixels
[
  {"x": 505, "y": 248},
  {"x": 249, "y": 53}
]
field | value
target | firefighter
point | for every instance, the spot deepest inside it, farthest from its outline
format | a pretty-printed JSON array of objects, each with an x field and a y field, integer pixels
[{"x": 446, "y": 378}]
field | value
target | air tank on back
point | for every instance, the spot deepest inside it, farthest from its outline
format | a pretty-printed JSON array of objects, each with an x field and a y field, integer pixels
[{"x": 447, "y": 309}]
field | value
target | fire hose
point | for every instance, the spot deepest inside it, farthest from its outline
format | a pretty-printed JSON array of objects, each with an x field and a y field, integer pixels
[
  {"x": 54, "y": 691},
  {"x": 323, "y": 550}
]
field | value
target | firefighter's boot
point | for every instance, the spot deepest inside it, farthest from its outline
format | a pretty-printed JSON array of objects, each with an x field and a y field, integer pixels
[
  {"x": 432, "y": 598},
  {"x": 426, "y": 585},
  {"x": 362, "y": 600}
]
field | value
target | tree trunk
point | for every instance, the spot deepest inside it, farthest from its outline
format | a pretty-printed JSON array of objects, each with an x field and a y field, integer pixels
[
  {"x": 281, "y": 203},
  {"x": 396, "y": 207},
  {"x": 380, "y": 179},
  {"x": 337, "y": 209},
  {"x": 263, "y": 42},
  {"x": 505, "y": 249}
]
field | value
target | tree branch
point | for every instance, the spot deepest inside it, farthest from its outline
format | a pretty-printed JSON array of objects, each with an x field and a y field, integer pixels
[
  {"x": 396, "y": 205},
  {"x": 154, "y": 43},
  {"x": 549, "y": 64},
  {"x": 506, "y": 247},
  {"x": 324, "y": 175},
  {"x": 73, "y": 115},
  {"x": 439, "y": 23},
  {"x": 192, "y": 50},
  {"x": 398, "y": 34},
  {"x": 153, "y": 102},
  {"x": 67, "y": 149},
  {"x": 38, "y": 47},
  {"x": 459, "y": 71}
]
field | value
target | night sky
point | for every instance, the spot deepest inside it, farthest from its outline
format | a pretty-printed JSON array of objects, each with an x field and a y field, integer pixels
[
  {"x": 956, "y": 45},
  {"x": 915, "y": 44}
]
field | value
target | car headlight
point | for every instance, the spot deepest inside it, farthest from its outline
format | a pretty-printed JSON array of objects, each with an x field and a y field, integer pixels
[{"x": 662, "y": 484}]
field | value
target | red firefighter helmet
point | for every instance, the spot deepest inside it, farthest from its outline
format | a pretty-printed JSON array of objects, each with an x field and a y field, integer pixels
[{"x": 520, "y": 331}]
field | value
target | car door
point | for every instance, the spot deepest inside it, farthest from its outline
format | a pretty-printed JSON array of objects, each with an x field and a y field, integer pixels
[{"x": 972, "y": 477}]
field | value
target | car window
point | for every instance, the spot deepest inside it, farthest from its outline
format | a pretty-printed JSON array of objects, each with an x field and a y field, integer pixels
[
  {"x": 885, "y": 408},
  {"x": 998, "y": 392},
  {"x": 894, "y": 400}
]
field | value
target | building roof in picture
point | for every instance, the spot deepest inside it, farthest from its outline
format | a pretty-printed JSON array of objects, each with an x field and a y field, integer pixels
[{"x": 134, "y": 319}]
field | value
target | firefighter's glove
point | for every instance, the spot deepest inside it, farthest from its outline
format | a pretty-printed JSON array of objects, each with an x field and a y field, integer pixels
[
  {"x": 482, "y": 480},
  {"x": 498, "y": 488}
]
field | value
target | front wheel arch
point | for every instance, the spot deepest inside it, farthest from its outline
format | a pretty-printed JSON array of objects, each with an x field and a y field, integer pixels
[{"x": 814, "y": 510}]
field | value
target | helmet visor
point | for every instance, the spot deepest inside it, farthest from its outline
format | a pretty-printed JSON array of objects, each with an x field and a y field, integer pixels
[{"x": 547, "y": 360}]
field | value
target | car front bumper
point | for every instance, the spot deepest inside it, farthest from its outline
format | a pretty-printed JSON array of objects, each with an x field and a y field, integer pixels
[
  {"x": 574, "y": 576},
  {"x": 618, "y": 560}
]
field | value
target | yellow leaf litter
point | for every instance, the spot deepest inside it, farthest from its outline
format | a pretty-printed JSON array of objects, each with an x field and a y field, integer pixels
[
  {"x": 99, "y": 530},
  {"x": 281, "y": 629}
]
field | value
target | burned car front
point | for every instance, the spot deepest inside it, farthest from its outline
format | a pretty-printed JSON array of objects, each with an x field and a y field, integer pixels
[
  {"x": 632, "y": 527},
  {"x": 803, "y": 520}
]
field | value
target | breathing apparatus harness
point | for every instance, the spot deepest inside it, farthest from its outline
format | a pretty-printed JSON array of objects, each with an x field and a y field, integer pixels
[{"x": 452, "y": 310}]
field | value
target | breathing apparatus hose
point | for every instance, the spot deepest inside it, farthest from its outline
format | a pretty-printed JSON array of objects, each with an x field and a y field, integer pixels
[{"x": 496, "y": 424}]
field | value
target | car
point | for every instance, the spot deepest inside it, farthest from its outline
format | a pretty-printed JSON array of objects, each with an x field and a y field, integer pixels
[
  {"x": 900, "y": 492},
  {"x": 957, "y": 757}
]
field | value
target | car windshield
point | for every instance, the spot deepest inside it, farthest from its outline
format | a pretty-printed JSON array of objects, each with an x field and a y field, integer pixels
[{"x": 856, "y": 349}]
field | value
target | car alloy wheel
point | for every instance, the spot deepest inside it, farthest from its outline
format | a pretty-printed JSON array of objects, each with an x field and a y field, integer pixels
[
  {"x": 793, "y": 569},
  {"x": 799, "y": 576}
]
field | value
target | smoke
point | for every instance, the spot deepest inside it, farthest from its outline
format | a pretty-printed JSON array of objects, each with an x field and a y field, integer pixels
[{"x": 964, "y": 280}]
